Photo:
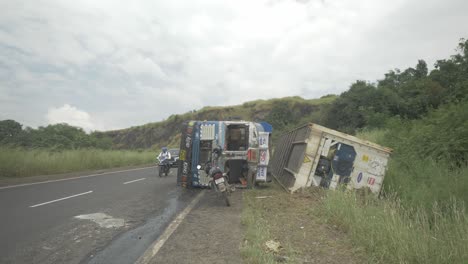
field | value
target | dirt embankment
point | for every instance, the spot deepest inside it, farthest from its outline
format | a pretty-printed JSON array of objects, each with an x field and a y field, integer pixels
[{"x": 288, "y": 228}]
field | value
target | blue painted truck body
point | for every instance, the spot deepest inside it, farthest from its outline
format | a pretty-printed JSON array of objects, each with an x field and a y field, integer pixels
[{"x": 244, "y": 149}]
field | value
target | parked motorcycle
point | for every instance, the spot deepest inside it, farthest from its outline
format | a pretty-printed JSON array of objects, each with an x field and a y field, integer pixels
[
  {"x": 164, "y": 166},
  {"x": 219, "y": 182}
]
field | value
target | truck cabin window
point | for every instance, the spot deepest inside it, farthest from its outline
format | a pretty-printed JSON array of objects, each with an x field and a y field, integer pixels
[
  {"x": 237, "y": 137},
  {"x": 205, "y": 151}
]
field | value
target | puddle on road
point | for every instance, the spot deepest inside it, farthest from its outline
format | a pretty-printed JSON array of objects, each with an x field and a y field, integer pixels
[
  {"x": 103, "y": 220},
  {"x": 129, "y": 246}
]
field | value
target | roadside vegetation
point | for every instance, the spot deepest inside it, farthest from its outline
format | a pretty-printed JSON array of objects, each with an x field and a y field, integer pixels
[
  {"x": 20, "y": 162},
  {"x": 420, "y": 216},
  {"x": 392, "y": 232},
  {"x": 53, "y": 137},
  {"x": 285, "y": 228},
  {"x": 60, "y": 148}
]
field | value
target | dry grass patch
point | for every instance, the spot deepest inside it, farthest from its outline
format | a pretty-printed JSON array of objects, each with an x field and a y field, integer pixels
[{"x": 272, "y": 215}]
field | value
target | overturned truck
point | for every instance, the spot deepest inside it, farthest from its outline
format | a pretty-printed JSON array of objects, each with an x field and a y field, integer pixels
[
  {"x": 313, "y": 155},
  {"x": 242, "y": 152}
]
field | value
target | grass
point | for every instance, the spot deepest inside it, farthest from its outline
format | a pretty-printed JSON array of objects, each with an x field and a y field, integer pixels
[
  {"x": 270, "y": 213},
  {"x": 419, "y": 218},
  {"x": 423, "y": 183},
  {"x": 17, "y": 162},
  {"x": 375, "y": 135},
  {"x": 392, "y": 233},
  {"x": 419, "y": 182},
  {"x": 426, "y": 224},
  {"x": 322, "y": 226},
  {"x": 257, "y": 230}
]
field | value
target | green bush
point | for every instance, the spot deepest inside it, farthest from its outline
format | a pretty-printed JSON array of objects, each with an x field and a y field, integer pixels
[
  {"x": 392, "y": 233},
  {"x": 429, "y": 163},
  {"x": 421, "y": 216}
]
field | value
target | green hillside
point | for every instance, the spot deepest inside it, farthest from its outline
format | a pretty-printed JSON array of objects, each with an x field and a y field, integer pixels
[{"x": 282, "y": 113}]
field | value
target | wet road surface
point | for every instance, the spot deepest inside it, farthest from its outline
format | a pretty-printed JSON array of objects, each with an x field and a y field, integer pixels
[{"x": 110, "y": 218}]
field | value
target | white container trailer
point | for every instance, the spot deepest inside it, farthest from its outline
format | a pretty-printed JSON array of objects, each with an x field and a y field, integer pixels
[{"x": 313, "y": 155}]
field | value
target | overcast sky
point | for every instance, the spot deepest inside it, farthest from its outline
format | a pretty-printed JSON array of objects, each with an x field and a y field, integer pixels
[{"x": 113, "y": 64}]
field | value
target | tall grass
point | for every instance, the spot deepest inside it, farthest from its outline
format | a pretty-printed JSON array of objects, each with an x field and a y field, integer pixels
[
  {"x": 421, "y": 217},
  {"x": 255, "y": 235},
  {"x": 392, "y": 233},
  {"x": 17, "y": 162},
  {"x": 421, "y": 182},
  {"x": 256, "y": 228}
]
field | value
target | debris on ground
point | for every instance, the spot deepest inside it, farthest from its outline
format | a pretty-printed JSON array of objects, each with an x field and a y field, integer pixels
[
  {"x": 263, "y": 197},
  {"x": 272, "y": 245},
  {"x": 289, "y": 228}
]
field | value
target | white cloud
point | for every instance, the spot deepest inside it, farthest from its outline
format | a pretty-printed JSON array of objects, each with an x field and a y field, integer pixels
[
  {"x": 70, "y": 115},
  {"x": 139, "y": 65},
  {"x": 132, "y": 62}
]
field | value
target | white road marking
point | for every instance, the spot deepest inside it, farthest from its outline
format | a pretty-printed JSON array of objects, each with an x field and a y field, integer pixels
[
  {"x": 103, "y": 220},
  {"x": 134, "y": 181},
  {"x": 64, "y": 198},
  {"x": 157, "y": 245},
  {"x": 74, "y": 178}
]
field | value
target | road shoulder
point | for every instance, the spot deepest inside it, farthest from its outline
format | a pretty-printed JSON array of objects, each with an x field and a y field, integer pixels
[{"x": 210, "y": 233}]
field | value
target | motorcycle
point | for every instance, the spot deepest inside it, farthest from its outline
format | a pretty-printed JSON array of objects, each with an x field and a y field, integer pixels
[
  {"x": 219, "y": 182},
  {"x": 164, "y": 166}
]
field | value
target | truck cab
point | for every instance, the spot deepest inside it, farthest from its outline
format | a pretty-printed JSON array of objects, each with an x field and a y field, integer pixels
[{"x": 242, "y": 152}]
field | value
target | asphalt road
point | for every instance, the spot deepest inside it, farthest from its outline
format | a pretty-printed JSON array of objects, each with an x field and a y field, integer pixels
[{"x": 39, "y": 224}]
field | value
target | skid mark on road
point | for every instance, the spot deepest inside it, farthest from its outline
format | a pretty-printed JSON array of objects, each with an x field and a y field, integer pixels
[{"x": 61, "y": 199}]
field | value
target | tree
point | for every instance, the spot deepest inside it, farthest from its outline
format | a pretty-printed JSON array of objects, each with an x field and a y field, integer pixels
[
  {"x": 452, "y": 73},
  {"x": 421, "y": 69},
  {"x": 9, "y": 130},
  {"x": 347, "y": 113},
  {"x": 280, "y": 115}
]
